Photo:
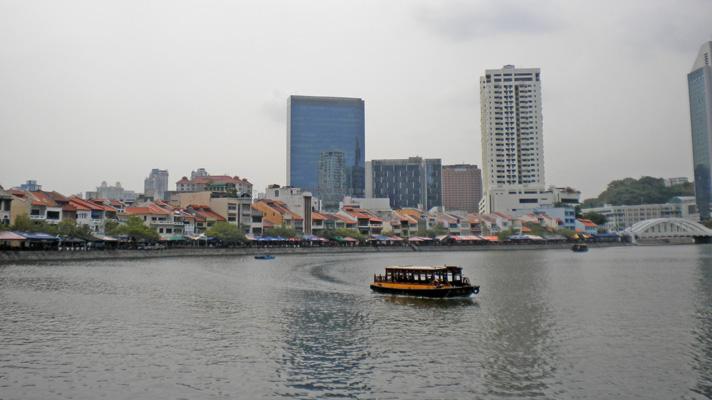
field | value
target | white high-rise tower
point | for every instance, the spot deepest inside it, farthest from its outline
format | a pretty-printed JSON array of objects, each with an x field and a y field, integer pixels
[{"x": 512, "y": 136}]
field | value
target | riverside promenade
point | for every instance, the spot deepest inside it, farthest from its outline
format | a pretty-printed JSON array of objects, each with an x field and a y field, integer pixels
[{"x": 12, "y": 257}]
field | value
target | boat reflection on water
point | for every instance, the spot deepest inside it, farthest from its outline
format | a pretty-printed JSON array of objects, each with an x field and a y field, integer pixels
[{"x": 427, "y": 302}]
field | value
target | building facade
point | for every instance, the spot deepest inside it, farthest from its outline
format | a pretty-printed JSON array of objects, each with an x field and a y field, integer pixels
[
  {"x": 332, "y": 179},
  {"x": 619, "y": 218},
  {"x": 156, "y": 184},
  {"x": 316, "y": 125},
  {"x": 292, "y": 197},
  {"x": 462, "y": 187},
  {"x": 413, "y": 182},
  {"x": 116, "y": 192},
  {"x": 699, "y": 84},
  {"x": 512, "y": 132}
]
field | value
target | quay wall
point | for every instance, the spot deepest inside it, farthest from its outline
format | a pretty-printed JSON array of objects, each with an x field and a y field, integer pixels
[{"x": 12, "y": 257}]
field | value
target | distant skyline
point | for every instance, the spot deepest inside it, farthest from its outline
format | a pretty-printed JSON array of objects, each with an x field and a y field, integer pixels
[{"x": 96, "y": 91}]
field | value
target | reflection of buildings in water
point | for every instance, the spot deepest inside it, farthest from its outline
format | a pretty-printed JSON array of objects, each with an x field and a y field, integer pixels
[
  {"x": 703, "y": 330},
  {"x": 521, "y": 360},
  {"x": 325, "y": 346}
]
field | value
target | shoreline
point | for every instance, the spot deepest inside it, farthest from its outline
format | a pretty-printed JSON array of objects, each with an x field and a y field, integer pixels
[{"x": 17, "y": 257}]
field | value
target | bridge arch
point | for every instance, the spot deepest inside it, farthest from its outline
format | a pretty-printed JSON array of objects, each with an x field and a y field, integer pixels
[{"x": 670, "y": 228}]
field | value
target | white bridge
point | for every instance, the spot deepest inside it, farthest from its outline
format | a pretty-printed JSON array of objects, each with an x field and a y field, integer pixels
[{"x": 669, "y": 228}]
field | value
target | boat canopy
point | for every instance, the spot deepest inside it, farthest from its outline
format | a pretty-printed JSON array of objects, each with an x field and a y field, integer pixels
[{"x": 421, "y": 267}]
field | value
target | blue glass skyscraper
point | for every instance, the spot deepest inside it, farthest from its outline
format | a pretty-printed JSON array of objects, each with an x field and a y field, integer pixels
[
  {"x": 323, "y": 125},
  {"x": 699, "y": 84}
]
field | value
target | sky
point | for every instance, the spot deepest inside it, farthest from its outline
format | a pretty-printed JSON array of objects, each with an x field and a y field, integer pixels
[{"x": 96, "y": 90}]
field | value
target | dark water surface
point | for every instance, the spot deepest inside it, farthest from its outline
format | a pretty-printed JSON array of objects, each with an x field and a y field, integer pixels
[{"x": 612, "y": 323}]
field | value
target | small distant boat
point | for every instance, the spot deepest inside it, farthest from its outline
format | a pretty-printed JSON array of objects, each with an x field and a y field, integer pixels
[
  {"x": 264, "y": 257},
  {"x": 425, "y": 281},
  {"x": 579, "y": 248}
]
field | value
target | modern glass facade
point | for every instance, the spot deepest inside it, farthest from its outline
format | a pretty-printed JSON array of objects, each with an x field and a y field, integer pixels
[
  {"x": 408, "y": 183},
  {"x": 699, "y": 83},
  {"x": 317, "y": 127}
]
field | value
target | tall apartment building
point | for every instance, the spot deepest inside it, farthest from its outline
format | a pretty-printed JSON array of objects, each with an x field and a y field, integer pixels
[
  {"x": 316, "y": 125},
  {"x": 462, "y": 187},
  {"x": 512, "y": 135},
  {"x": 156, "y": 184},
  {"x": 699, "y": 84},
  {"x": 116, "y": 192},
  {"x": 332, "y": 179},
  {"x": 414, "y": 182}
]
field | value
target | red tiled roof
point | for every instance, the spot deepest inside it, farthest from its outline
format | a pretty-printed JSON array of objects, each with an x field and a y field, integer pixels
[
  {"x": 587, "y": 223},
  {"x": 149, "y": 208},
  {"x": 82, "y": 204},
  {"x": 317, "y": 217}
]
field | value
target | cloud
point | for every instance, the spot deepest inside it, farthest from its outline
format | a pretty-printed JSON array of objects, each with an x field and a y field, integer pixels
[
  {"x": 275, "y": 109},
  {"x": 465, "y": 21}
]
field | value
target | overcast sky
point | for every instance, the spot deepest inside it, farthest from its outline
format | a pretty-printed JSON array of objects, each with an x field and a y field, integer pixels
[{"x": 95, "y": 90}]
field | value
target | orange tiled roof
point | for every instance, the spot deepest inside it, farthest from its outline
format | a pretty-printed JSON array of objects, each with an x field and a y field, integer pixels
[
  {"x": 317, "y": 216},
  {"x": 587, "y": 223},
  {"x": 149, "y": 208}
]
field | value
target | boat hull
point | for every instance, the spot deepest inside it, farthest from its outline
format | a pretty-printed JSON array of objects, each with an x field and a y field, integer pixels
[{"x": 450, "y": 291}]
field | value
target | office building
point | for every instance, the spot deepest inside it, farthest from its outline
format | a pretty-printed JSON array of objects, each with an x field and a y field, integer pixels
[
  {"x": 318, "y": 126},
  {"x": 462, "y": 187},
  {"x": 699, "y": 84},
  {"x": 512, "y": 134},
  {"x": 414, "y": 182},
  {"x": 156, "y": 184}
]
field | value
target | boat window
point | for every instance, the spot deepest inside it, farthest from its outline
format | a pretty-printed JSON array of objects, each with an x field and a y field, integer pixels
[{"x": 449, "y": 277}]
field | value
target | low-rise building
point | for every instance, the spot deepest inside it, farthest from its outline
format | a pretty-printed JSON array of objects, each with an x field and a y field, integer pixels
[
  {"x": 235, "y": 209},
  {"x": 277, "y": 213},
  {"x": 586, "y": 226},
  {"x": 5, "y": 207},
  {"x": 621, "y": 217},
  {"x": 92, "y": 214},
  {"x": 165, "y": 221},
  {"x": 367, "y": 223}
]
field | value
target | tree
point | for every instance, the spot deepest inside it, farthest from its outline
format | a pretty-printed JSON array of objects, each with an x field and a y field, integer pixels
[
  {"x": 646, "y": 190},
  {"x": 227, "y": 233},
  {"x": 343, "y": 232},
  {"x": 25, "y": 224},
  {"x": 596, "y": 218},
  {"x": 110, "y": 227},
  {"x": 136, "y": 230},
  {"x": 437, "y": 230},
  {"x": 282, "y": 231}
]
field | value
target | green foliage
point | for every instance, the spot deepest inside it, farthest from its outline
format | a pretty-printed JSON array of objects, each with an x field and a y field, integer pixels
[
  {"x": 646, "y": 190},
  {"x": 503, "y": 235},
  {"x": 707, "y": 223},
  {"x": 226, "y": 233},
  {"x": 282, "y": 231},
  {"x": 111, "y": 226},
  {"x": 436, "y": 230},
  {"x": 25, "y": 224},
  {"x": 69, "y": 228},
  {"x": 343, "y": 232},
  {"x": 136, "y": 230},
  {"x": 566, "y": 232},
  {"x": 596, "y": 218}
]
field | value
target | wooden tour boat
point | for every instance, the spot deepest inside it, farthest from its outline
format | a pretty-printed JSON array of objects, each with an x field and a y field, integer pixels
[
  {"x": 425, "y": 281},
  {"x": 579, "y": 248}
]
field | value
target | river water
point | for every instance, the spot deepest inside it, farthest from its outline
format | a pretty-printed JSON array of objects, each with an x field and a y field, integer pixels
[{"x": 632, "y": 322}]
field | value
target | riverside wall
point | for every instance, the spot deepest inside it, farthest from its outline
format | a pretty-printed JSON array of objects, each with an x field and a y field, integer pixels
[{"x": 12, "y": 257}]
